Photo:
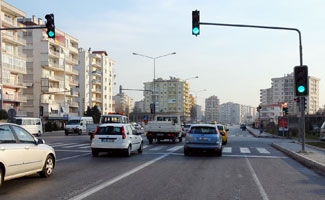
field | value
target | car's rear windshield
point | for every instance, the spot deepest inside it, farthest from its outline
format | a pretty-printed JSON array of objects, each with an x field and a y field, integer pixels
[
  {"x": 323, "y": 126},
  {"x": 109, "y": 130},
  {"x": 220, "y": 128},
  {"x": 111, "y": 119},
  {"x": 203, "y": 130},
  {"x": 73, "y": 122},
  {"x": 187, "y": 126}
]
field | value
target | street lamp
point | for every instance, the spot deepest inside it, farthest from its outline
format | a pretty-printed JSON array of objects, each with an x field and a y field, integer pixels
[
  {"x": 154, "y": 74},
  {"x": 191, "y": 78}
]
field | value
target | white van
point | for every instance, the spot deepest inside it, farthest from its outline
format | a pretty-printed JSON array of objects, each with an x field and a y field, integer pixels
[
  {"x": 32, "y": 125},
  {"x": 78, "y": 125},
  {"x": 322, "y": 132}
]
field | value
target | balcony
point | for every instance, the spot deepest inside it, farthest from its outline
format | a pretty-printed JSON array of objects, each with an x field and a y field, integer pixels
[
  {"x": 12, "y": 38},
  {"x": 52, "y": 66},
  {"x": 14, "y": 98},
  {"x": 14, "y": 68},
  {"x": 73, "y": 93},
  {"x": 98, "y": 100},
  {"x": 97, "y": 90},
  {"x": 53, "y": 78},
  {"x": 96, "y": 64},
  {"x": 73, "y": 82},
  {"x": 71, "y": 71},
  {"x": 73, "y": 104},
  {"x": 96, "y": 73},
  {"x": 53, "y": 53},
  {"x": 53, "y": 90},
  {"x": 73, "y": 50},
  {"x": 14, "y": 83},
  {"x": 71, "y": 60},
  {"x": 9, "y": 21},
  {"x": 97, "y": 82}
]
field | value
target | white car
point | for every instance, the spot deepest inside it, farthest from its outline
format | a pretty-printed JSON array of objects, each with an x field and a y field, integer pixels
[
  {"x": 21, "y": 154},
  {"x": 116, "y": 137}
]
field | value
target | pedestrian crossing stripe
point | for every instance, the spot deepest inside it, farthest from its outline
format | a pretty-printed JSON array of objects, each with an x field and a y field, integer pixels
[
  {"x": 244, "y": 150},
  {"x": 156, "y": 148},
  {"x": 226, "y": 149},
  {"x": 175, "y": 148},
  {"x": 145, "y": 146},
  {"x": 262, "y": 150},
  {"x": 78, "y": 145},
  {"x": 61, "y": 145}
]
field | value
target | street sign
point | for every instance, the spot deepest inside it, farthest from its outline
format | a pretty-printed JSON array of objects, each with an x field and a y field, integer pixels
[
  {"x": 145, "y": 117},
  {"x": 66, "y": 116}
]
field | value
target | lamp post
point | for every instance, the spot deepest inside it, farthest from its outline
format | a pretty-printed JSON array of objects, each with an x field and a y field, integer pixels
[
  {"x": 191, "y": 78},
  {"x": 154, "y": 75}
]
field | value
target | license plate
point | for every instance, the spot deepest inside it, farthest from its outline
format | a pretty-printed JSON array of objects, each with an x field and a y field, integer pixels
[
  {"x": 160, "y": 134},
  {"x": 204, "y": 139},
  {"x": 107, "y": 140}
]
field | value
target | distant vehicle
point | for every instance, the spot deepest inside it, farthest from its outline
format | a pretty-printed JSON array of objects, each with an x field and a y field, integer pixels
[
  {"x": 164, "y": 127},
  {"x": 116, "y": 137},
  {"x": 223, "y": 133},
  {"x": 322, "y": 132},
  {"x": 78, "y": 125},
  {"x": 203, "y": 137},
  {"x": 21, "y": 154},
  {"x": 243, "y": 127},
  {"x": 32, "y": 125}
]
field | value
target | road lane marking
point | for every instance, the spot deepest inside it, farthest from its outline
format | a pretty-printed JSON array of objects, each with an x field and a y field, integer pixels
[
  {"x": 86, "y": 147},
  {"x": 244, "y": 150},
  {"x": 99, "y": 187},
  {"x": 67, "y": 158},
  {"x": 175, "y": 148},
  {"x": 226, "y": 150},
  {"x": 61, "y": 145},
  {"x": 257, "y": 181},
  {"x": 77, "y": 145},
  {"x": 55, "y": 143},
  {"x": 72, "y": 150},
  {"x": 156, "y": 148},
  {"x": 145, "y": 146},
  {"x": 252, "y": 156},
  {"x": 263, "y": 150}
]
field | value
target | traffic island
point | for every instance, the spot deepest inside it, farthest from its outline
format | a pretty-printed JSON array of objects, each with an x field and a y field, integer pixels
[{"x": 311, "y": 158}]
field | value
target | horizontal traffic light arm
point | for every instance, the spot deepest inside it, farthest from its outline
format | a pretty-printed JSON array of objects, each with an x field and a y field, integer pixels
[{"x": 18, "y": 28}]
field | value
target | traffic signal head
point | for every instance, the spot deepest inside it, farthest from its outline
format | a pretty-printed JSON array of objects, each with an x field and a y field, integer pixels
[
  {"x": 305, "y": 103},
  {"x": 195, "y": 22},
  {"x": 301, "y": 80},
  {"x": 50, "y": 25},
  {"x": 296, "y": 100}
]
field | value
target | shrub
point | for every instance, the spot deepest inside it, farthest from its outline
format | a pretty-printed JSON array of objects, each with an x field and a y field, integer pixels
[{"x": 48, "y": 127}]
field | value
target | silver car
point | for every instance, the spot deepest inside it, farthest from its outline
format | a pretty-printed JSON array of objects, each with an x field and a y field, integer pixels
[
  {"x": 21, "y": 154},
  {"x": 203, "y": 137}
]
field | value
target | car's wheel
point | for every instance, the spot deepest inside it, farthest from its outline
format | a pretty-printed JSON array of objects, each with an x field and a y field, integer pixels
[
  {"x": 140, "y": 148},
  {"x": 158, "y": 140},
  {"x": 1, "y": 176},
  {"x": 225, "y": 142},
  {"x": 94, "y": 152},
  {"x": 180, "y": 139},
  {"x": 186, "y": 152},
  {"x": 150, "y": 140},
  {"x": 128, "y": 151},
  {"x": 219, "y": 152},
  {"x": 48, "y": 167},
  {"x": 80, "y": 132},
  {"x": 66, "y": 133},
  {"x": 173, "y": 140}
]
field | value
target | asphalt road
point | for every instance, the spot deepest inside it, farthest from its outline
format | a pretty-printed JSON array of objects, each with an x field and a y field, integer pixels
[{"x": 249, "y": 169}]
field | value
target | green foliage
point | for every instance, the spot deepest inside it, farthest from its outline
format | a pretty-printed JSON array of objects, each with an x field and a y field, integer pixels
[
  {"x": 55, "y": 127},
  {"x": 93, "y": 112},
  {"x": 48, "y": 127},
  {"x": 3, "y": 114}
]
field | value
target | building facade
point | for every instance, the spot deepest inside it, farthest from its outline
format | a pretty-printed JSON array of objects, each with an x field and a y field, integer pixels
[
  {"x": 123, "y": 103},
  {"x": 96, "y": 80},
  {"x": 52, "y": 76},
  {"x": 282, "y": 92},
  {"x": 13, "y": 60},
  {"x": 212, "y": 109},
  {"x": 139, "y": 106},
  {"x": 172, "y": 96}
]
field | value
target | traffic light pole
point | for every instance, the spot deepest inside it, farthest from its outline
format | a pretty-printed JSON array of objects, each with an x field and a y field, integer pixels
[
  {"x": 19, "y": 28},
  {"x": 302, "y": 110},
  {"x": 302, "y": 132}
]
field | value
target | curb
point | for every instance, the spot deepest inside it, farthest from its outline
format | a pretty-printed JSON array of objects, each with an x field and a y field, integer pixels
[
  {"x": 316, "y": 166},
  {"x": 311, "y": 146},
  {"x": 271, "y": 136},
  {"x": 251, "y": 132}
]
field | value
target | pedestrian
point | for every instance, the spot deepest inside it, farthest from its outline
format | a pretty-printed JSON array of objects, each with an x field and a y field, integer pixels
[{"x": 261, "y": 129}]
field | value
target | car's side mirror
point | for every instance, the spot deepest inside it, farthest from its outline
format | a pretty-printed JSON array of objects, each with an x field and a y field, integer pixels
[
  {"x": 40, "y": 141},
  {"x": 81, "y": 124}
]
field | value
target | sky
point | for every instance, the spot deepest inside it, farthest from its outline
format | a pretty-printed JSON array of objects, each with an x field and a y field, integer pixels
[{"x": 232, "y": 63}]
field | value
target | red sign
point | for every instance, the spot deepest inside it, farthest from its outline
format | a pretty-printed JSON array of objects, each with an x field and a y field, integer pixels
[{"x": 281, "y": 120}]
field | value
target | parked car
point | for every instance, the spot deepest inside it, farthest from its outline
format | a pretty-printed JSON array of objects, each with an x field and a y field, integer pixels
[
  {"x": 78, "y": 125},
  {"x": 203, "y": 137},
  {"x": 32, "y": 125},
  {"x": 21, "y": 154},
  {"x": 116, "y": 137},
  {"x": 223, "y": 132},
  {"x": 322, "y": 132}
]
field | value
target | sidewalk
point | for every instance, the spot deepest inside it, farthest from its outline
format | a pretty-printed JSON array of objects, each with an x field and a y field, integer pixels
[
  {"x": 256, "y": 133},
  {"x": 313, "y": 158}
]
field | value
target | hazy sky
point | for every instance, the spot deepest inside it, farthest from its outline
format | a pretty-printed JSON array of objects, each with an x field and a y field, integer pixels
[{"x": 232, "y": 63}]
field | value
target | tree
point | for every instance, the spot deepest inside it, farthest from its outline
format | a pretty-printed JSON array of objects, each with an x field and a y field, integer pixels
[
  {"x": 89, "y": 112},
  {"x": 96, "y": 114},
  {"x": 3, "y": 115}
]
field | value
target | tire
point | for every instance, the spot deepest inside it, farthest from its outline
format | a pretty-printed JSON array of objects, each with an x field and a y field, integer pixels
[
  {"x": 158, "y": 140},
  {"x": 128, "y": 151},
  {"x": 94, "y": 153},
  {"x": 1, "y": 176},
  {"x": 48, "y": 167},
  {"x": 150, "y": 140},
  {"x": 224, "y": 143},
  {"x": 80, "y": 132},
  {"x": 180, "y": 139},
  {"x": 186, "y": 152},
  {"x": 140, "y": 148},
  {"x": 66, "y": 133},
  {"x": 219, "y": 153},
  {"x": 174, "y": 140}
]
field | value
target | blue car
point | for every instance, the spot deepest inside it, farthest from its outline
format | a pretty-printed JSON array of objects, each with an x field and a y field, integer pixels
[{"x": 203, "y": 137}]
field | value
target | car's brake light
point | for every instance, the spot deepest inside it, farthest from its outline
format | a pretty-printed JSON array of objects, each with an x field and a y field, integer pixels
[
  {"x": 189, "y": 131},
  {"x": 183, "y": 129},
  {"x": 123, "y": 133},
  {"x": 95, "y": 132}
]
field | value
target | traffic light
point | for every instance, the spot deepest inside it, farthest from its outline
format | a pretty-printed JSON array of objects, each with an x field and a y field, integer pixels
[
  {"x": 195, "y": 22},
  {"x": 258, "y": 108},
  {"x": 41, "y": 111},
  {"x": 285, "y": 111},
  {"x": 296, "y": 100},
  {"x": 50, "y": 25},
  {"x": 301, "y": 80},
  {"x": 305, "y": 103},
  {"x": 120, "y": 89}
]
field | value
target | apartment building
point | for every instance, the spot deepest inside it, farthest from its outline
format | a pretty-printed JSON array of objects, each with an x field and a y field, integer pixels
[
  {"x": 172, "y": 96},
  {"x": 234, "y": 113},
  {"x": 282, "y": 91},
  {"x": 139, "y": 106},
  {"x": 212, "y": 109},
  {"x": 123, "y": 103},
  {"x": 52, "y": 76},
  {"x": 13, "y": 60},
  {"x": 95, "y": 80}
]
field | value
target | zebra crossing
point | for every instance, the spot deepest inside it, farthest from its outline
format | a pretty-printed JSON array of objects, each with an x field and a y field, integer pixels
[{"x": 159, "y": 148}]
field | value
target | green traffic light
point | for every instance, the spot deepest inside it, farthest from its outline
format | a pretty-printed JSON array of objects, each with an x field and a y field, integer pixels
[
  {"x": 51, "y": 33},
  {"x": 301, "y": 89},
  {"x": 196, "y": 31}
]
